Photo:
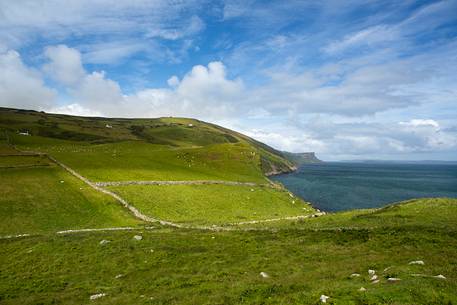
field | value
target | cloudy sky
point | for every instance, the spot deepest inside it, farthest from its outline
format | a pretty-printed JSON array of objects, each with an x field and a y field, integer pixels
[{"x": 349, "y": 79}]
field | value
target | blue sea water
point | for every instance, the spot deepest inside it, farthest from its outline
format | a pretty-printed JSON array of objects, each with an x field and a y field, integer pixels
[{"x": 337, "y": 186}]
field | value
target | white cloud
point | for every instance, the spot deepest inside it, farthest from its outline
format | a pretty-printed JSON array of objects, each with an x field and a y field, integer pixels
[
  {"x": 21, "y": 86},
  {"x": 65, "y": 65},
  {"x": 74, "y": 109},
  {"x": 421, "y": 122}
]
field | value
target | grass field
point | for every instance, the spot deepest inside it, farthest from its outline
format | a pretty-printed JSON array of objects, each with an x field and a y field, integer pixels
[
  {"x": 212, "y": 204},
  {"x": 36, "y": 200},
  {"x": 196, "y": 267},
  {"x": 11, "y": 161}
]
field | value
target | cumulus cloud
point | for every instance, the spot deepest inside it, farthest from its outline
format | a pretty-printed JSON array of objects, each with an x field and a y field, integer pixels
[
  {"x": 204, "y": 92},
  {"x": 65, "y": 65},
  {"x": 21, "y": 86}
]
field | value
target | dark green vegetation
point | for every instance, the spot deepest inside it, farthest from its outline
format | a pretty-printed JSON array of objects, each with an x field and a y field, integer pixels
[
  {"x": 303, "y": 258},
  {"x": 197, "y": 267}
]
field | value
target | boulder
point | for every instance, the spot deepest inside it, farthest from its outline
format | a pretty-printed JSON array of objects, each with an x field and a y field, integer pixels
[
  {"x": 393, "y": 279},
  {"x": 264, "y": 274},
  {"x": 138, "y": 237},
  {"x": 324, "y": 298},
  {"x": 416, "y": 263},
  {"x": 104, "y": 242},
  {"x": 97, "y": 296}
]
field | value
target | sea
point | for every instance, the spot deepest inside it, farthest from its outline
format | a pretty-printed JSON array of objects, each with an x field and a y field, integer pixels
[{"x": 339, "y": 186}]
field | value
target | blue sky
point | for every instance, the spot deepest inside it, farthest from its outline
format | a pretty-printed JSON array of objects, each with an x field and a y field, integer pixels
[{"x": 347, "y": 79}]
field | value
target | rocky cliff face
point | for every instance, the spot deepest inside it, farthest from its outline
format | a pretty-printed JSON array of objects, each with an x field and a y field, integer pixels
[{"x": 302, "y": 158}]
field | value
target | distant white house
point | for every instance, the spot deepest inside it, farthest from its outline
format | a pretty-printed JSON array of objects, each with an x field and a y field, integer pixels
[
  {"x": 108, "y": 126},
  {"x": 25, "y": 133}
]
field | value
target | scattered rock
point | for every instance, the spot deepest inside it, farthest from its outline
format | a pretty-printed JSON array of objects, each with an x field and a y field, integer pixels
[
  {"x": 416, "y": 263},
  {"x": 387, "y": 269},
  {"x": 152, "y": 250},
  {"x": 97, "y": 296},
  {"x": 355, "y": 275},
  {"x": 138, "y": 237},
  {"x": 324, "y": 298},
  {"x": 440, "y": 276},
  {"x": 213, "y": 237},
  {"x": 362, "y": 289},
  {"x": 61, "y": 181},
  {"x": 291, "y": 195},
  {"x": 374, "y": 278},
  {"x": 119, "y": 276},
  {"x": 371, "y": 272},
  {"x": 375, "y": 282},
  {"x": 264, "y": 274},
  {"x": 252, "y": 190},
  {"x": 104, "y": 242},
  {"x": 393, "y": 279}
]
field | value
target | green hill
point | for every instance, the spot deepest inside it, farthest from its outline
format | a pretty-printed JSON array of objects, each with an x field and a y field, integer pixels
[{"x": 136, "y": 150}]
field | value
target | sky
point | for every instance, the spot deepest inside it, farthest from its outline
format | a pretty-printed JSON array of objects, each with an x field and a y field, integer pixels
[{"x": 353, "y": 79}]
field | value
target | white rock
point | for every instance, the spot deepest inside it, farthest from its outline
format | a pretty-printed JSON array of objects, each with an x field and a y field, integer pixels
[
  {"x": 393, "y": 279},
  {"x": 213, "y": 237},
  {"x": 119, "y": 276},
  {"x": 138, "y": 237},
  {"x": 374, "y": 278},
  {"x": 362, "y": 289},
  {"x": 371, "y": 272},
  {"x": 440, "y": 276},
  {"x": 355, "y": 275},
  {"x": 324, "y": 298},
  {"x": 375, "y": 282},
  {"x": 416, "y": 263},
  {"x": 96, "y": 296},
  {"x": 291, "y": 195},
  {"x": 104, "y": 241},
  {"x": 387, "y": 269},
  {"x": 264, "y": 274},
  {"x": 61, "y": 181}
]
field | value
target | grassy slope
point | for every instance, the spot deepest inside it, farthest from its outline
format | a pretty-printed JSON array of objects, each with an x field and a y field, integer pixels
[
  {"x": 212, "y": 204},
  {"x": 170, "y": 133},
  {"x": 34, "y": 200},
  {"x": 193, "y": 267},
  {"x": 143, "y": 161}
]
